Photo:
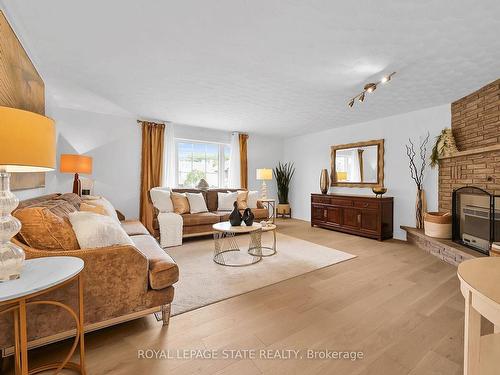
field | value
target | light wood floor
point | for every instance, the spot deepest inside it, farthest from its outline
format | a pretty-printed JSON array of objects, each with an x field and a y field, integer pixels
[{"x": 398, "y": 305}]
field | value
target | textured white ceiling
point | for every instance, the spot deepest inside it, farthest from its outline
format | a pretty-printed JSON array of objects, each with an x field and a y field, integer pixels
[{"x": 268, "y": 66}]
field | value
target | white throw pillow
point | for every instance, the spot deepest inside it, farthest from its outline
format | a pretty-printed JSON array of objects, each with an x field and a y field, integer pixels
[
  {"x": 226, "y": 201},
  {"x": 253, "y": 197},
  {"x": 161, "y": 199},
  {"x": 196, "y": 203},
  {"x": 94, "y": 230},
  {"x": 108, "y": 207}
]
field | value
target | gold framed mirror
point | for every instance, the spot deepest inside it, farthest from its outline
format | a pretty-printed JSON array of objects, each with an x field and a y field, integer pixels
[{"x": 359, "y": 164}]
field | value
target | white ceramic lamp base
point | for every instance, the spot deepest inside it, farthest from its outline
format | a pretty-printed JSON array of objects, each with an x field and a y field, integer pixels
[
  {"x": 263, "y": 190},
  {"x": 11, "y": 255}
]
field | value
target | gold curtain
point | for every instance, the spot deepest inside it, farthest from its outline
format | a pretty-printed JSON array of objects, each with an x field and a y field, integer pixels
[
  {"x": 151, "y": 168},
  {"x": 243, "y": 161}
]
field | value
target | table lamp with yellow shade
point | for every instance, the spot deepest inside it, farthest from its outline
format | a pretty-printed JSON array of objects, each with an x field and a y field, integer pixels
[
  {"x": 264, "y": 174},
  {"x": 76, "y": 164},
  {"x": 28, "y": 145}
]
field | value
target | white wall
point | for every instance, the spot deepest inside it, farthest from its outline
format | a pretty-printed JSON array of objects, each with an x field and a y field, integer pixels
[
  {"x": 114, "y": 142},
  {"x": 311, "y": 153},
  {"x": 263, "y": 152}
]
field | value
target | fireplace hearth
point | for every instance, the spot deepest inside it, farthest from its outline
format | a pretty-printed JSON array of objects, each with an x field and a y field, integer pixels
[{"x": 476, "y": 218}]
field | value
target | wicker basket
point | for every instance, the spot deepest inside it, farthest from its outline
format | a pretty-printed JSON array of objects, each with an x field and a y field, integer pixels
[
  {"x": 495, "y": 249},
  {"x": 438, "y": 224}
]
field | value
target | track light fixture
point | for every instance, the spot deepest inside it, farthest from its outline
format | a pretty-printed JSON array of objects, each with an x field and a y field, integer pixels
[{"x": 369, "y": 88}]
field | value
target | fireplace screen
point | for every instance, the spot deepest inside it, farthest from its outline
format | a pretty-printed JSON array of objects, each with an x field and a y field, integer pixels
[{"x": 476, "y": 218}]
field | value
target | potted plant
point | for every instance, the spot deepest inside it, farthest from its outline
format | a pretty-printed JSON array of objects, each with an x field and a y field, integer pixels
[{"x": 283, "y": 174}]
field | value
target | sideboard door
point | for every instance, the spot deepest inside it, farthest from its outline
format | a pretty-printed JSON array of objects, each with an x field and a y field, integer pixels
[
  {"x": 370, "y": 221},
  {"x": 351, "y": 218}
]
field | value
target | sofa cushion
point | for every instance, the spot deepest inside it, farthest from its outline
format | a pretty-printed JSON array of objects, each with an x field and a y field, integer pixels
[
  {"x": 134, "y": 227},
  {"x": 163, "y": 271},
  {"x": 71, "y": 198},
  {"x": 212, "y": 199},
  {"x": 44, "y": 230},
  {"x": 94, "y": 230},
  {"x": 202, "y": 218},
  {"x": 260, "y": 213},
  {"x": 223, "y": 215}
]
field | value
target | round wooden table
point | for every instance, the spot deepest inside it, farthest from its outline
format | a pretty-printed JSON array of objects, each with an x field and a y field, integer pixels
[
  {"x": 40, "y": 276},
  {"x": 227, "y": 251},
  {"x": 480, "y": 285}
]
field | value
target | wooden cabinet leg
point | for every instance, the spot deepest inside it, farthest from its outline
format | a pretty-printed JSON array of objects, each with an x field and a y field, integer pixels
[{"x": 472, "y": 338}]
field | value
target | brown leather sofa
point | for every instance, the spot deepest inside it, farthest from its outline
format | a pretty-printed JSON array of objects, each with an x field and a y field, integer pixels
[
  {"x": 121, "y": 282},
  {"x": 200, "y": 224}
]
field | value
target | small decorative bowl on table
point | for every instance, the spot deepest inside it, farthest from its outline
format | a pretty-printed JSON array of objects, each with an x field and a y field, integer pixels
[{"x": 379, "y": 191}]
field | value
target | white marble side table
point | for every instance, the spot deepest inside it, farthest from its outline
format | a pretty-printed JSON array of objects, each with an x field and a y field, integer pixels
[{"x": 39, "y": 276}]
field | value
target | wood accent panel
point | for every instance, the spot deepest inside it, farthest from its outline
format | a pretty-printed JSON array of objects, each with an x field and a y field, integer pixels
[
  {"x": 362, "y": 215},
  {"x": 380, "y": 164},
  {"x": 20, "y": 87}
]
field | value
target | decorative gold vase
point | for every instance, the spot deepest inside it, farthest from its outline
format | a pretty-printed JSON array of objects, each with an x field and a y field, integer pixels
[
  {"x": 420, "y": 208},
  {"x": 324, "y": 182}
]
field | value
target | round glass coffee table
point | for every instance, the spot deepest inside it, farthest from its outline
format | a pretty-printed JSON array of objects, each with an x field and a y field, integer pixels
[
  {"x": 266, "y": 251},
  {"x": 227, "y": 251}
]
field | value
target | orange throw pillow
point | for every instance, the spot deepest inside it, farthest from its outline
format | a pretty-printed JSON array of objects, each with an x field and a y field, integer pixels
[
  {"x": 180, "y": 203},
  {"x": 43, "y": 230},
  {"x": 95, "y": 208},
  {"x": 242, "y": 199}
]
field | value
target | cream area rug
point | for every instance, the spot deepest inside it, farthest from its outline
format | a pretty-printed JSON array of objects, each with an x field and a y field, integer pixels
[{"x": 202, "y": 281}]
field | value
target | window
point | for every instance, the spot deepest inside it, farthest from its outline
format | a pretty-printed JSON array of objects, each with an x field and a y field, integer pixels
[{"x": 197, "y": 160}]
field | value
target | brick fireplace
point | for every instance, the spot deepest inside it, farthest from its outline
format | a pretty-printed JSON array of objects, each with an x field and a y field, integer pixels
[{"x": 475, "y": 122}]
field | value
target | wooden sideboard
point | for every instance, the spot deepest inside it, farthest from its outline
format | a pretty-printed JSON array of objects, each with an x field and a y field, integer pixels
[{"x": 365, "y": 216}]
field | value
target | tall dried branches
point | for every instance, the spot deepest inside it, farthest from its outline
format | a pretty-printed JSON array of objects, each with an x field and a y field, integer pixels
[{"x": 417, "y": 171}]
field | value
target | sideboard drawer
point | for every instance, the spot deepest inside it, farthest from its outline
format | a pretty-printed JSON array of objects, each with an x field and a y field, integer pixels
[
  {"x": 363, "y": 204},
  {"x": 320, "y": 199},
  {"x": 342, "y": 202}
]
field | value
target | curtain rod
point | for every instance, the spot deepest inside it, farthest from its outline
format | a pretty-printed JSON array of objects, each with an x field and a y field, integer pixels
[{"x": 156, "y": 122}]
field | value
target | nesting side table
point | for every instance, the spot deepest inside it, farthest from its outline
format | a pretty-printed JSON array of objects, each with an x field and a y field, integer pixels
[
  {"x": 479, "y": 284},
  {"x": 40, "y": 276}
]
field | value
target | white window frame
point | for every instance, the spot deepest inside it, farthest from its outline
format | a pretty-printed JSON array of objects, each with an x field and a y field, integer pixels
[{"x": 221, "y": 146}]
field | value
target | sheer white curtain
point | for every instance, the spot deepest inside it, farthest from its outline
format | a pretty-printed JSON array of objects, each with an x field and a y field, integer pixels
[
  {"x": 354, "y": 173},
  {"x": 234, "y": 161},
  {"x": 169, "y": 157}
]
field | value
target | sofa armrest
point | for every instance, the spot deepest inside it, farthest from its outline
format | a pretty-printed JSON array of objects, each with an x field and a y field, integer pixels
[{"x": 115, "y": 278}]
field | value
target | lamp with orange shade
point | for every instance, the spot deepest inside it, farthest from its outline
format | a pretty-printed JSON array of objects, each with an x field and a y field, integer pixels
[
  {"x": 28, "y": 145},
  {"x": 76, "y": 164}
]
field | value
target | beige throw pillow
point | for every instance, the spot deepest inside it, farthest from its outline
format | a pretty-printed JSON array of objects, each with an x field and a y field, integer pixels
[
  {"x": 95, "y": 208},
  {"x": 93, "y": 230},
  {"x": 225, "y": 201},
  {"x": 180, "y": 203},
  {"x": 242, "y": 199},
  {"x": 197, "y": 203}
]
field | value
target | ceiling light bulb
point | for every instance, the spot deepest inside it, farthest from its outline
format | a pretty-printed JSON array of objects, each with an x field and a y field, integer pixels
[
  {"x": 362, "y": 97},
  {"x": 370, "y": 87},
  {"x": 351, "y": 102},
  {"x": 385, "y": 79}
]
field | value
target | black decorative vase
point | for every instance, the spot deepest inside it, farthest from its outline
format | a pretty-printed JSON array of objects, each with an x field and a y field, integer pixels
[
  {"x": 235, "y": 216},
  {"x": 248, "y": 217}
]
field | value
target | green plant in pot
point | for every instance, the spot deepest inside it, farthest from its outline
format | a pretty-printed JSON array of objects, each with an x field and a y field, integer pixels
[{"x": 283, "y": 174}]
